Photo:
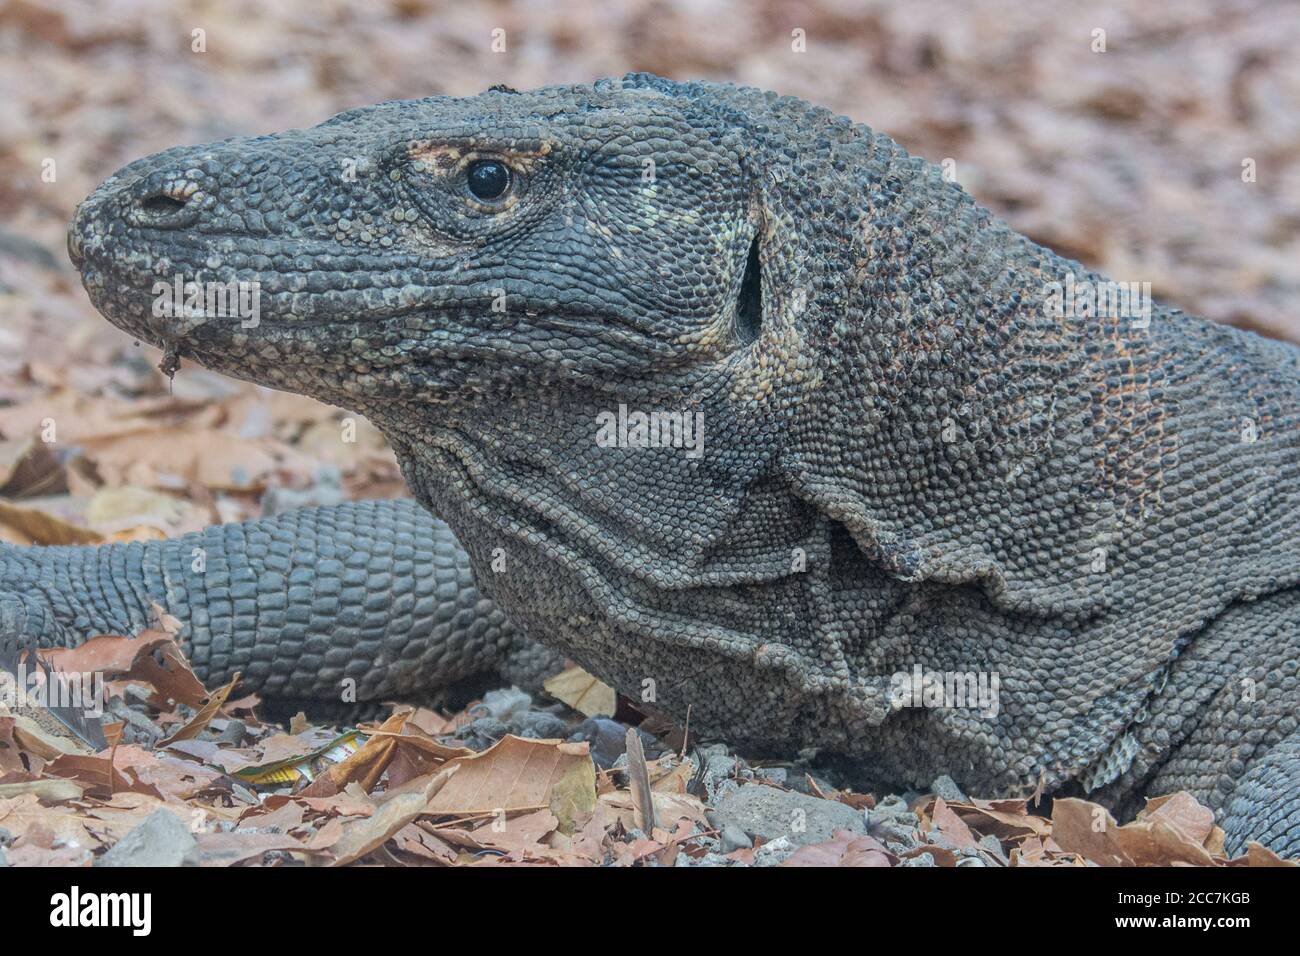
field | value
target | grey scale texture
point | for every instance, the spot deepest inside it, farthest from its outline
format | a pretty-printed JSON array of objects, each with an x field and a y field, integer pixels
[{"x": 907, "y": 460}]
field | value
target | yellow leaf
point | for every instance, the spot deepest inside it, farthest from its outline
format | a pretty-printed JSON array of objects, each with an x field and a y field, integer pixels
[{"x": 584, "y": 693}]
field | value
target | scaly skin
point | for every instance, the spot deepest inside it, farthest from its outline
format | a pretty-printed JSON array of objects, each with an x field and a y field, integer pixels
[
  {"x": 368, "y": 601},
  {"x": 907, "y": 461}
]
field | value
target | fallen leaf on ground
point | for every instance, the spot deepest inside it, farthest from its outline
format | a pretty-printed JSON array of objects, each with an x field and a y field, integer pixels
[
  {"x": 845, "y": 848},
  {"x": 583, "y": 692},
  {"x": 204, "y": 716},
  {"x": 513, "y": 774},
  {"x": 369, "y": 833}
]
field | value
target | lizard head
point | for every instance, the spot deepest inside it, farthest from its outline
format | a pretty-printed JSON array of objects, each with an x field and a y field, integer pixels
[
  {"x": 504, "y": 283},
  {"x": 520, "y": 289},
  {"x": 637, "y": 342},
  {"x": 439, "y": 250}
]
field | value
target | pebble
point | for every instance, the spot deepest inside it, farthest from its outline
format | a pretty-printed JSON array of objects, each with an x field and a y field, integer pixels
[
  {"x": 921, "y": 859},
  {"x": 160, "y": 840},
  {"x": 733, "y": 838},
  {"x": 233, "y": 735},
  {"x": 773, "y": 775},
  {"x": 505, "y": 703},
  {"x": 946, "y": 788},
  {"x": 774, "y": 852},
  {"x": 775, "y": 814},
  {"x": 539, "y": 725},
  {"x": 483, "y": 733}
]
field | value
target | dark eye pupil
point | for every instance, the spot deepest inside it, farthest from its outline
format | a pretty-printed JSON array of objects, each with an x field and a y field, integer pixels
[{"x": 488, "y": 179}]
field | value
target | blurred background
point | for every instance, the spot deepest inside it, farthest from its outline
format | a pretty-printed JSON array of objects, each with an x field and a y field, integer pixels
[{"x": 1130, "y": 160}]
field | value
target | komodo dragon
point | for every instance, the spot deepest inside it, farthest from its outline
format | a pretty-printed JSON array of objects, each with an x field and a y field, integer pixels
[{"x": 747, "y": 411}]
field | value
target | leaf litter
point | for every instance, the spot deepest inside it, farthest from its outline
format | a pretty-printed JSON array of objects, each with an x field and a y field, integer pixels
[{"x": 392, "y": 793}]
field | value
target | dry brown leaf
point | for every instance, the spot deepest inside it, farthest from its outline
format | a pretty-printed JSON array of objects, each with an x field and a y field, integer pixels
[
  {"x": 573, "y": 797},
  {"x": 419, "y": 842},
  {"x": 951, "y": 826},
  {"x": 672, "y": 780},
  {"x": 1258, "y": 855},
  {"x": 1172, "y": 832},
  {"x": 430, "y": 722},
  {"x": 845, "y": 848},
  {"x": 213, "y": 458},
  {"x": 669, "y": 808},
  {"x": 29, "y": 467},
  {"x": 365, "y": 766},
  {"x": 10, "y": 759},
  {"x": 942, "y": 856},
  {"x": 517, "y": 834},
  {"x": 22, "y": 813},
  {"x": 97, "y": 774},
  {"x": 134, "y": 659},
  {"x": 513, "y": 774},
  {"x": 589, "y": 842},
  {"x": 36, "y": 526},
  {"x": 48, "y": 790},
  {"x": 583, "y": 692},
  {"x": 168, "y": 775},
  {"x": 1081, "y": 827},
  {"x": 1004, "y": 819},
  {"x": 639, "y": 781},
  {"x": 132, "y": 513},
  {"x": 45, "y": 737},
  {"x": 24, "y": 854},
  {"x": 200, "y": 720},
  {"x": 369, "y": 833},
  {"x": 1182, "y": 812}
]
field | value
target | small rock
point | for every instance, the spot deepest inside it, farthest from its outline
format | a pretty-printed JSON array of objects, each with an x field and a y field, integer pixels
[
  {"x": 774, "y": 775},
  {"x": 139, "y": 728},
  {"x": 799, "y": 781},
  {"x": 722, "y": 766},
  {"x": 921, "y": 859},
  {"x": 138, "y": 693},
  {"x": 539, "y": 725},
  {"x": 608, "y": 740},
  {"x": 946, "y": 788},
  {"x": 506, "y": 703},
  {"x": 898, "y": 836},
  {"x": 994, "y": 846},
  {"x": 772, "y": 814},
  {"x": 890, "y": 806},
  {"x": 721, "y": 773},
  {"x": 483, "y": 733},
  {"x": 161, "y": 840},
  {"x": 233, "y": 735},
  {"x": 774, "y": 852},
  {"x": 734, "y": 838}
]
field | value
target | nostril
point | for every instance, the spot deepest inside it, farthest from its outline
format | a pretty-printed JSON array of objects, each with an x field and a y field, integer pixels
[
  {"x": 168, "y": 207},
  {"x": 162, "y": 205}
]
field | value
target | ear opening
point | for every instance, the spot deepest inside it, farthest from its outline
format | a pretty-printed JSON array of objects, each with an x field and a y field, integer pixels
[{"x": 749, "y": 304}]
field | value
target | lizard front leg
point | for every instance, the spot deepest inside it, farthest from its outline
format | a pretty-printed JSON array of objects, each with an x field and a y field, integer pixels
[{"x": 366, "y": 601}]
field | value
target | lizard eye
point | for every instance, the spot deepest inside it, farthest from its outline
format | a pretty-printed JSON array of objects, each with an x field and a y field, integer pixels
[{"x": 488, "y": 179}]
